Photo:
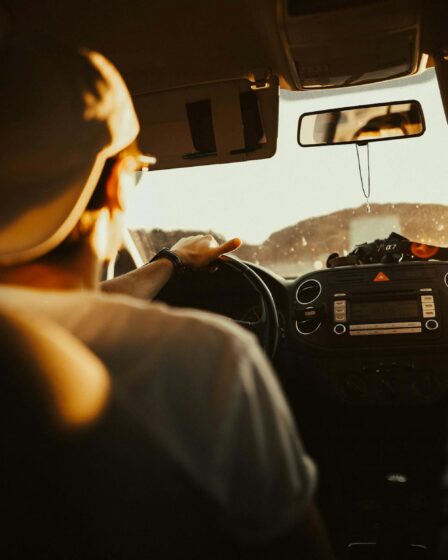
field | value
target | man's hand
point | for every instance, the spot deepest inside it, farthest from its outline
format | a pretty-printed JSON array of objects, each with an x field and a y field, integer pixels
[{"x": 199, "y": 251}]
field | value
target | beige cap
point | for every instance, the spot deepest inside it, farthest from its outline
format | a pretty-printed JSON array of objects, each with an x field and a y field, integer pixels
[{"x": 62, "y": 114}]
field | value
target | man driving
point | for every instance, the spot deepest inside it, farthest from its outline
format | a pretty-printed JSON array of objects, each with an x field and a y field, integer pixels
[{"x": 68, "y": 161}]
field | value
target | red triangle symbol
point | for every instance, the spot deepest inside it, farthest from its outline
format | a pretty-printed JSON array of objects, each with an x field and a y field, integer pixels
[{"x": 381, "y": 277}]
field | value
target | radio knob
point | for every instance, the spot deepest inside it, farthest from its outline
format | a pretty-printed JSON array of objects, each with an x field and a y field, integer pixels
[
  {"x": 432, "y": 325},
  {"x": 339, "y": 329}
]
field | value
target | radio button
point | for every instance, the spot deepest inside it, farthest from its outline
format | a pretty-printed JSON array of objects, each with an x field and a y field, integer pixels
[
  {"x": 432, "y": 325},
  {"x": 427, "y": 299},
  {"x": 429, "y": 313},
  {"x": 339, "y": 329},
  {"x": 310, "y": 313},
  {"x": 340, "y": 303},
  {"x": 340, "y": 317},
  {"x": 428, "y": 305}
]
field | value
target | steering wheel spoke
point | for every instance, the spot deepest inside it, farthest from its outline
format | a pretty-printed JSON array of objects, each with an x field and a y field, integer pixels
[{"x": 256, "y": 327}]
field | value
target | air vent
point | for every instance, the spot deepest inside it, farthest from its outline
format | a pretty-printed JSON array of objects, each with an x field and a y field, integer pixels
[
  {"x": 308, "y": 326},
  {"x": 308, "y": 291},
  {"x": 349, "y": 277}
]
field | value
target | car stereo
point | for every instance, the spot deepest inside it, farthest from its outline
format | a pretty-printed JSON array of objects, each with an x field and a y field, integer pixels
[
  {"x": 372, "y": 305},
  {"x": 376, "y": 314},
  {"x": 374, "y": 334}
]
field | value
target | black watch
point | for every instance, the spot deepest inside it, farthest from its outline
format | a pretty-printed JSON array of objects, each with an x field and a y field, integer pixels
[{"x": 166, "y": 253}]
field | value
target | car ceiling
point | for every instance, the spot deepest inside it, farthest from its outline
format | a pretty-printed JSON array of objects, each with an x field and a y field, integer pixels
[{"x": 185, "y": 46}]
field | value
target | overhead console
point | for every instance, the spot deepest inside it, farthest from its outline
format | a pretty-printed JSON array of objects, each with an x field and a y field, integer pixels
[
  {"x": 335, "y": 43},
  {"x": 223, "y": 122}
]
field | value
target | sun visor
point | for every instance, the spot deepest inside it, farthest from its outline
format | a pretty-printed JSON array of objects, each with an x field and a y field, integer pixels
[{"x": 214, "y": 123}]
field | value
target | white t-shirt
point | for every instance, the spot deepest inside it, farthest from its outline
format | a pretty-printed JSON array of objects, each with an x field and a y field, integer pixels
[{"x": 207, "y": 393}]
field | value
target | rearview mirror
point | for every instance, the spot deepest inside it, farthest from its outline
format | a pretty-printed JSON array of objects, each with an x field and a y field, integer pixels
[{"x": 361, "y": 124}]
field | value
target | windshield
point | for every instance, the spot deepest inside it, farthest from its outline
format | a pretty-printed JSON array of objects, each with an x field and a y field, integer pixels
[{"x": 294, "y": 209}]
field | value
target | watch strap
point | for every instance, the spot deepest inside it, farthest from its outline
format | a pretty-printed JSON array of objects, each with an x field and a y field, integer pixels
[{"x": 166, "y": 253}]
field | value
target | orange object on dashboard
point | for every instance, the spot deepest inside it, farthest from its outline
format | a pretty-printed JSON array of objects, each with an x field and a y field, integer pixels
[
  {"x": 393, "y": 249},
  {"x": 423, "y": 251}
]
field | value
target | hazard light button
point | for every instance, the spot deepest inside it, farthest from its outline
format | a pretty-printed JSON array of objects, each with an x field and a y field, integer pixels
[{"x": 381, "y": 277}]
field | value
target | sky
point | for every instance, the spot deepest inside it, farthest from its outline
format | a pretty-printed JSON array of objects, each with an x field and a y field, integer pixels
[{"x": 253, "y": 199}]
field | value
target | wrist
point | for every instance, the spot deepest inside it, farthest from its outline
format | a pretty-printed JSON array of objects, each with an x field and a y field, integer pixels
[
  {"x": 164, "y": 264},
  {"x": 174, "y": 260}
]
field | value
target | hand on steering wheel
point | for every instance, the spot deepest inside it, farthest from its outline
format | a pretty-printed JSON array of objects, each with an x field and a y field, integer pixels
[{"x": 199, "y": 251}]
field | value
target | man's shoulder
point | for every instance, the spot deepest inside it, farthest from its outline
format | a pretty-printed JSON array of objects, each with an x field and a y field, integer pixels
[
  {"x": 92, "y": 314},
  {"x": 100, "y": 307},
  {"x": 128, "y": 333},
  {"x": 168, "y": 317},
  {"x": 125, "y": 320}
]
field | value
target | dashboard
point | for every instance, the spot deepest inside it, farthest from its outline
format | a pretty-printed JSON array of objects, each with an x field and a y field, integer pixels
[
  {"x": 370, "y": 335},
  {"x": 363, "y": 360},
  {"x": 362, "y": 356}
]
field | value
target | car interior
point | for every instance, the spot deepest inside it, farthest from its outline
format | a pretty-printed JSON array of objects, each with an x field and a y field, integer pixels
[{"x": 359, "y": 343}]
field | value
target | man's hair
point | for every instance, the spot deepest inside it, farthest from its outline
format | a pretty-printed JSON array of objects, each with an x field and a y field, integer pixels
[{"x": 73, "y": 243}]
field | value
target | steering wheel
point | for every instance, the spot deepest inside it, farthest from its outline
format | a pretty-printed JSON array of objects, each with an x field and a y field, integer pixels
[{"x": 265, "y": 328}]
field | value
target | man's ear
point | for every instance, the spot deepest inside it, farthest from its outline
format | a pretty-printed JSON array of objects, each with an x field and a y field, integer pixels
[
  {"x": 105, "y": 237},
  {"x": 116, "y": 199}
]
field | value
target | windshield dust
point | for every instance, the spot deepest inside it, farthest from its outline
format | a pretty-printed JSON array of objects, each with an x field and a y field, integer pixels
[{"x": 305, "y": 246}]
